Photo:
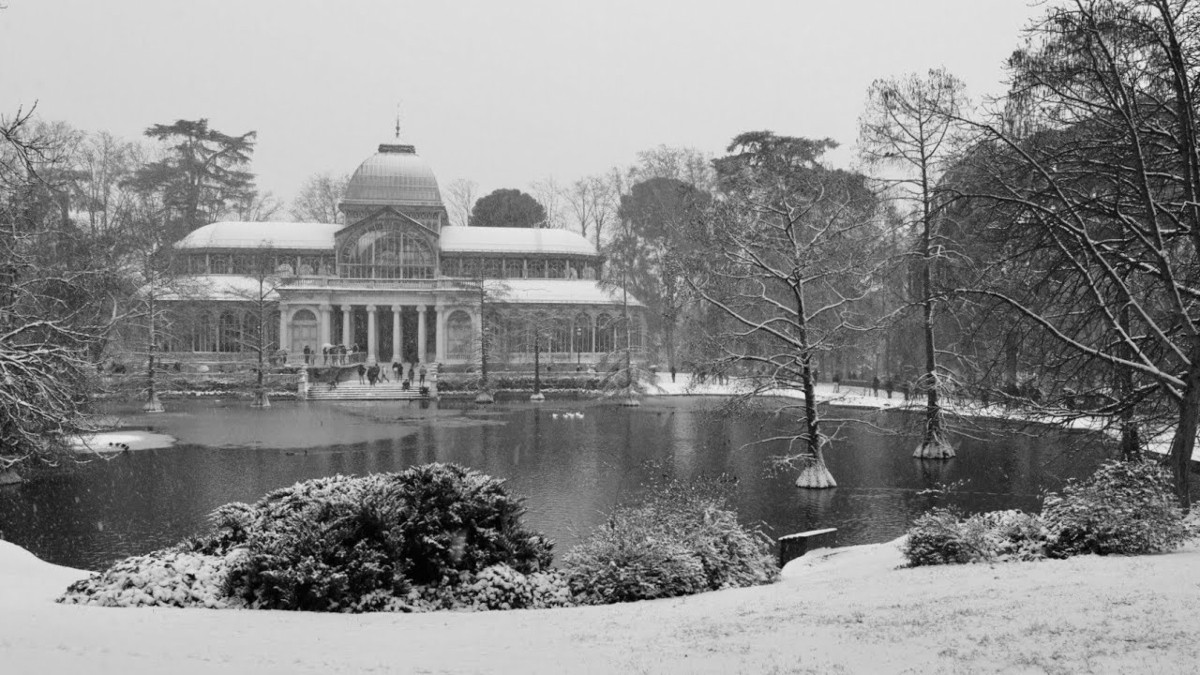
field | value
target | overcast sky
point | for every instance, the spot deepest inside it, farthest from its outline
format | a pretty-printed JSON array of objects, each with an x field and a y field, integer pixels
[{"x": 504, "y": 92}]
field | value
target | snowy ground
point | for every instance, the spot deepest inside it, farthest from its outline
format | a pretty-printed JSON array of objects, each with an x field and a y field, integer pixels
[
  {"x": 857, "y": 397},
  {"x": 845, "y": 610}
]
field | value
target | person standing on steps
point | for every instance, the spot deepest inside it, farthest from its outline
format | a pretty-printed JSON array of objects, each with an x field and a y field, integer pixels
[
  {"x": 362, "y": 372},
  {"x": 422, "y": 373}
]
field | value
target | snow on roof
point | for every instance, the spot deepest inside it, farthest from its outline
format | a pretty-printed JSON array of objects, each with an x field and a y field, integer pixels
[
  {"x": 217, "y": 287},
  {"x": 557, "y": 291},
  {"x": 230, "y": 234},
  {"x": 513, "y": 240},
  {"x": 319, "y": 236}
]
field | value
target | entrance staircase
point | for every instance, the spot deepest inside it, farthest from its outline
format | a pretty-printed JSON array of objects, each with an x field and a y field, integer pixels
[{"x": 349, "y": 389}]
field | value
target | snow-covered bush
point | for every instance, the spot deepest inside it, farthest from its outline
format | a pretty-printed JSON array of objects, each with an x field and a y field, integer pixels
[
  {"x": 938, "y": 538},
  {"x": 623, "y": 564},
  {"x": 944, "y": 536},
  {"x": 352, "y": 544},
  {"x": 167, "y": 578},
  {"x": 1125, "y": 507},
  {"x": 684, "y": 539},
  {"x": 498, "y": 587}
]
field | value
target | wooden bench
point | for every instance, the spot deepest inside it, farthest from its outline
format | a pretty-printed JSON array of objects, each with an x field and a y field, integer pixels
[{"x": 793, "y": 546}]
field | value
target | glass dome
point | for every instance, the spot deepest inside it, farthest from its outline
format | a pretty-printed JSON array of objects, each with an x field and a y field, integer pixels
[{"x": 395, "y": 175}]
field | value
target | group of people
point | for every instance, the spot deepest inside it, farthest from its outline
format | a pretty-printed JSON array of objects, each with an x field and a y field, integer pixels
[
  {"x": 331, "y": 355},
  {"x": 373, "y": 374}
]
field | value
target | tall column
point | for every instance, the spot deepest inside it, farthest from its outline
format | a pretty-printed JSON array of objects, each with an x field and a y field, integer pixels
[
  {"x": 396, "y": 341},
  {"x": 347, "y": 326},
  {"x": 440, "y": 343},
  {"x": 372, "y": 335},
  {"x": 592, "y": 323},
  {"x": 326, "y": 328},
  {"x": 421, "y": 333},
  {"x": 283, "y": 327}
]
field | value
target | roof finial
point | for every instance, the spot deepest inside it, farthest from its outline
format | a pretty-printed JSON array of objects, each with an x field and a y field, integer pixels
[{"x": 397, "y": 121}]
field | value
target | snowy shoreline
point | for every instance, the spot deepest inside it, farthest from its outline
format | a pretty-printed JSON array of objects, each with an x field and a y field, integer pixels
[
  {"x": 851, "y": 609},
  {"x": 859, "y": 398}
]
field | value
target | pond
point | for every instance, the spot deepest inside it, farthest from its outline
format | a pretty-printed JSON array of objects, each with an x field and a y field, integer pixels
[{"x": 572, "y": 468}]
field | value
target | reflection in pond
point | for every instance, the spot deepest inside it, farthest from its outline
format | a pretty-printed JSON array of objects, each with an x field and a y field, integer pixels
[{"x": 571, "y": 468}]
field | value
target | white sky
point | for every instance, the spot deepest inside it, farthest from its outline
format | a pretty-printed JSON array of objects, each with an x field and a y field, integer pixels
[{"x": 504, "y": 92}]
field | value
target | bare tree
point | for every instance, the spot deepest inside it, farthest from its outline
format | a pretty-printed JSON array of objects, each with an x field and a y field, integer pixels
[
  {"x": 256, "y": 206},
  {"x": 548, "y": 193},
  {"x": 688, "y": 165},
  {"x": 319, "y": 198},
  {"x": 1098, "y": 174},
  {"x": 908, "y": 124},
  {"x": 51, "y": 303},
  {"x": 582, "y": 204},
  {"x": 462, "y": 194},
  {"x": 791, "y": 253},
  {"x": 263, "y": 301}
]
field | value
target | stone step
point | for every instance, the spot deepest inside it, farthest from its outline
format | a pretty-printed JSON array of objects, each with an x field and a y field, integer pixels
[{"x": 353, "y": 391}]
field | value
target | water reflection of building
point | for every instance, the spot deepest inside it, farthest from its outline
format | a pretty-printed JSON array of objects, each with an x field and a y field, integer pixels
[{"x": 396, "y": 281}]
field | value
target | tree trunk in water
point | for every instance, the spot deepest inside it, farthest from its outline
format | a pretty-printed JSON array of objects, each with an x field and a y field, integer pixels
[
  {"x": 933, "y": 444},
  {"x": 153, "y": 405},
  {"x": 814, "y": 474}
]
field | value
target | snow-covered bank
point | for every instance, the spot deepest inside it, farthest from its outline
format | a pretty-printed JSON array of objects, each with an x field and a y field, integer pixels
[
  {"x": 121, "y": 440},
  {"x": 844, "y": 610},
  {"x": 1159, "y": 441}
]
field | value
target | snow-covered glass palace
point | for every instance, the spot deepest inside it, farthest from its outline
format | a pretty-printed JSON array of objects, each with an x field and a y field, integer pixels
[{"x": 397, "y": 282}]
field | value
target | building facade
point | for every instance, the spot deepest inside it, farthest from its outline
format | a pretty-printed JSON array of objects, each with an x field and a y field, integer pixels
[{"x": 396, "y": 282}]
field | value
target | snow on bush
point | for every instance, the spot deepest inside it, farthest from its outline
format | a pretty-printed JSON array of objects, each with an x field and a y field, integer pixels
[
  {"x": 944, "y": 536},
  {"x": 348, "y": 544},
  {"x": 498, "y": 587},
  {"x": 437, "y": 536},
  {"x": 1125, "y": 507},
  {"x": 683, "y": 540},
  {"x": 167, "y": 578}
]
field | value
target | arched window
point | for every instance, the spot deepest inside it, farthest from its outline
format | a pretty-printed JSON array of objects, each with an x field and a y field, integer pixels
[
  {"x": 605, "y": 327},
  {"x": 459, "y": 343},
  {"x": 582, "y": 334},
  {"x": 560, "y": 335},
  {"x": 228, "y": 332},
  {"x": 202, "y": 333},
  {"x": 382, "y": 251}
]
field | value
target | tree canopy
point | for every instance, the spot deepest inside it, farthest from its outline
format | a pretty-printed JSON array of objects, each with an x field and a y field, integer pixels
[
  {"x": 203, "y": 173},
  {"x": 507, "y": 208}
]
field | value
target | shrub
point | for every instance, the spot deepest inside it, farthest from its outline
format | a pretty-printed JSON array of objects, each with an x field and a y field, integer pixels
[
  {"x": 682, "y": 540},
  {"x": 167, "y": 578},
  {"x": 1125, "y": 507},
  {"x": 944, "y": 536},
  {"x": 498, "y": 587},
  {"x": 351, "y": 544}
]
